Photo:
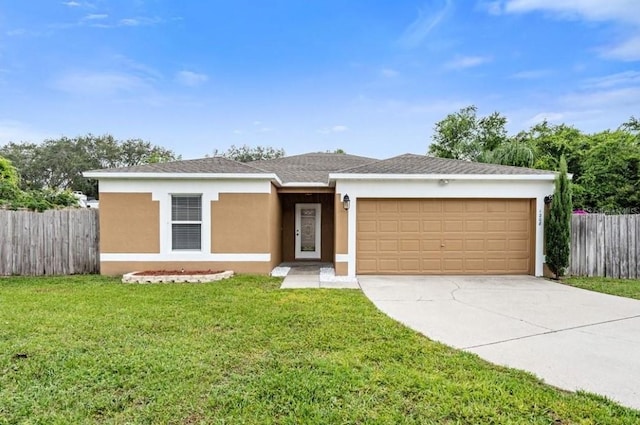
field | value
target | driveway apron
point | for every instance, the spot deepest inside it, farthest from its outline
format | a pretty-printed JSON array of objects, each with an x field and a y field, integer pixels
[{"x": 572, "y": 338}]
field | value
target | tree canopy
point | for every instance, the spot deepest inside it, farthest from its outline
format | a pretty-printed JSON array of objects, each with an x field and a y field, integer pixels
[
  {"x": 246, "y": 153},
  {"x": 605, "y": 165},
  {"x": 59, "y": 163}
]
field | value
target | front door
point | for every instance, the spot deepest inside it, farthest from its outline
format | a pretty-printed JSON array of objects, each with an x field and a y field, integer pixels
[{"x": 308, "y": 231}]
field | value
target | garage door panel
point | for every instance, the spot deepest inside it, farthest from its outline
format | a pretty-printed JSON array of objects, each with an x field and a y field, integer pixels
[
  {"x": 367, "y": 226},
  {"x": 453, "y": 206},
  {"x": 453, "y": 265},
  {"x": 431, "y": 206},
  {"x": 388, "y": 245},
  {"x": 474, "y": 225},
  {"x": 388, "y": 207},
  {"x": 388, "y": 226},
  {"x": 387, "y": 265},
  {"x": 443, "y": 236},
  {"x": 432, "y": 225},
  {"x": 410, "y": 245},
  {"x": 410, "y": 225},
  {"x": 519, "y": 245},
  {"x": 453, "y": 245},
  {"x": 474, "y": 245}
]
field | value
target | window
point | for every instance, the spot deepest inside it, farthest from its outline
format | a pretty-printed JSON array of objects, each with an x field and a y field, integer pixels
[{"x": 186, "y": 222}]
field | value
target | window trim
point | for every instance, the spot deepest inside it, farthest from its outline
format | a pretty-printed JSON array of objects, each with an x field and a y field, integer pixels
[{"x": 199, "y": 222}]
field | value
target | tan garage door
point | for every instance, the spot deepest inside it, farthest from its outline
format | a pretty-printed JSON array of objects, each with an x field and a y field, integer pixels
[{"x": 444, "y": 236}]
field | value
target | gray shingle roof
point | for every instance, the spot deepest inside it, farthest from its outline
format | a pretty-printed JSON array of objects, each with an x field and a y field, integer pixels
[
  {"x": 422, "y": 164},
  {"x": 316, "y": 167},
  {"x": 214, "y": 165},
  {"x": 310, "y": 167}
]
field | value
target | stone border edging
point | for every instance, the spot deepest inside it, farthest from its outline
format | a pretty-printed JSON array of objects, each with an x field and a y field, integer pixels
[{"x": 176, "y": 278}]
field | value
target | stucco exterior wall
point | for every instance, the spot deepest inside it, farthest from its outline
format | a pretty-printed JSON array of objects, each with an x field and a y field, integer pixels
[
  {"x": 113, "y": 268},
  {"x": 237, "y": 225},
  {"x": 240, "y": 222},
  {"x": 275, "y": 228},
  {"x": 129, "y": 223},
  {"x": 341, "y": 236}
]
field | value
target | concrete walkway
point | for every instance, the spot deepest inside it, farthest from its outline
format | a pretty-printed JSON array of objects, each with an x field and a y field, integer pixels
[
  {"x": 572, "y": 338},
  {"x": 312, "y": 276}
]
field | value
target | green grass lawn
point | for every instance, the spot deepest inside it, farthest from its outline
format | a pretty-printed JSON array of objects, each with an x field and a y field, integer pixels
[
  {"x": 629, "y": 288},
  {"x": 91, "y": 350}
]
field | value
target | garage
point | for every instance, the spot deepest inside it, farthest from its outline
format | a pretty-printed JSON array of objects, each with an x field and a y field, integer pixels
[{"x": 445, "y": 236}]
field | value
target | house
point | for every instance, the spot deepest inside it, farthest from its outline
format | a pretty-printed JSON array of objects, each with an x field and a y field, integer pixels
[{"x": 410, "y": 214}]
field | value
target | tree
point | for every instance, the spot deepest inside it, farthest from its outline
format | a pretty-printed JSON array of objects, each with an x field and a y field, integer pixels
[
  {"x": 610, "y": 170},
  {"x": 515, "y": 151},
  {"x": 59, "y": 163},
  {"x": 11, "y": 196},
  {"x": 462, "y": 135},
  {"x": 9, "y": 188},
  {"x": 247, "y": 153},
  {"x": 558, "y": 224}
]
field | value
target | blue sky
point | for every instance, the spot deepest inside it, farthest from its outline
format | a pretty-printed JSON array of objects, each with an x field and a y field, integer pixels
[{"x": 371, "y": 77}]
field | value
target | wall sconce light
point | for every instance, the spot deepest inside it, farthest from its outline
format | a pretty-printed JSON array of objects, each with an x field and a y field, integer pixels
[
  {"x": 346, "y": 202},
  {"x": 548, "y": 199},
  {"x": 444, "y": 181}
]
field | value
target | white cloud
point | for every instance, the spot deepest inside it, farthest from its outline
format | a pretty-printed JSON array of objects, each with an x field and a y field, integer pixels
[
  {"x": 625, "y": 13},
  {"x": 619, "y": 79},
  {"x": 139, "y": 21},
  {"x": 95, "y": 17},
  {"x": 18, "y": 131},
  {"x": 191, "y": 79},
  {"x": 334, "y": 129},
  {"x": 546, "y": 116},
  {"x": 462, "y": 62},
  {"x": 532, "y": 74},
  {"x": 592, "y": 10},
  {"x": 426, "y": 21},
  {"x": 628, "y": 50},
  {"x": 100, "y": 83},
  {"x": 389, "y": 73},
  {"x": 72, "y": 3}
]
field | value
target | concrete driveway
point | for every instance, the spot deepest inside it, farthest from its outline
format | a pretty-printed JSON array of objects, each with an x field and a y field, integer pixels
[{"x": 572, "y": 338}]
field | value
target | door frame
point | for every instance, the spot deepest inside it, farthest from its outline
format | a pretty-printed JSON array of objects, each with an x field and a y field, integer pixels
[{"x": 308, "y": 255}]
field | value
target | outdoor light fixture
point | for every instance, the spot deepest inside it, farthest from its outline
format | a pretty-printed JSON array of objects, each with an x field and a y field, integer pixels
[
  {"x": 444, "y": 181},
  {"x": 346, "y": 202},
  {"x": 548, "y": 199}
]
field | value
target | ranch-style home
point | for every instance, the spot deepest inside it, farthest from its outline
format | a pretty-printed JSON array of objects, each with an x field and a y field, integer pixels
[{"x": 410, "y": 214}]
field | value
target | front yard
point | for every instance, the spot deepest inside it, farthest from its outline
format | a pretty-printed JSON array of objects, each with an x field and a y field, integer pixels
[
  {"x": 89, "y": 349},
  {"x": 629, "y": 288}
]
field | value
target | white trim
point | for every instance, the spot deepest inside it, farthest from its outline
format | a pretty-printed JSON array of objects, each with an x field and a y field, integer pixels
[
  {"x": 172, "y": 176},
  {"x": 342, "y": 258},
  {"x": 317, "y": 254},
  {"x": 450, "y": 177},
  {"x": 304, "y": 184},
  {"x": 186, "y": 256}
]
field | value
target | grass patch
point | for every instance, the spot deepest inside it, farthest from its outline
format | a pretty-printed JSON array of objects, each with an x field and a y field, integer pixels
[
  {"x": 629, "y": 288},
  {"x": 88, "y": 349}
]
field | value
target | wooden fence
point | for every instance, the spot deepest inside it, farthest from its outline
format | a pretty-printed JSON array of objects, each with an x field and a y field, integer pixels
[
  {"x": 49, "y": 243},
  {"x": 605, "y": 245}
]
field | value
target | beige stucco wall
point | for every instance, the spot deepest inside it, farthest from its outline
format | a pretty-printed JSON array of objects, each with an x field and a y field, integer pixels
[
  {"x": 113, "y": 268},
  {"x": 275, "y": 228},
  {"x": 341, "y": 226},
  {"x": 129, "y": 223},
  {"x": 240, "y": 223}
]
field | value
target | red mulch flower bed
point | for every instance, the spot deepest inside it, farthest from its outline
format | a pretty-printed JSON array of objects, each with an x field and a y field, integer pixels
[{"x": 176, "y": 272}]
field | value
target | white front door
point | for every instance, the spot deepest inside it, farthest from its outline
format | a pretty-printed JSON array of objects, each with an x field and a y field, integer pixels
[{"x": 308, "y": 225}]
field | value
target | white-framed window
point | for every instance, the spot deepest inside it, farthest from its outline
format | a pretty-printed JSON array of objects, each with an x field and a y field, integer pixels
[{"x": 186, "y": 222}]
